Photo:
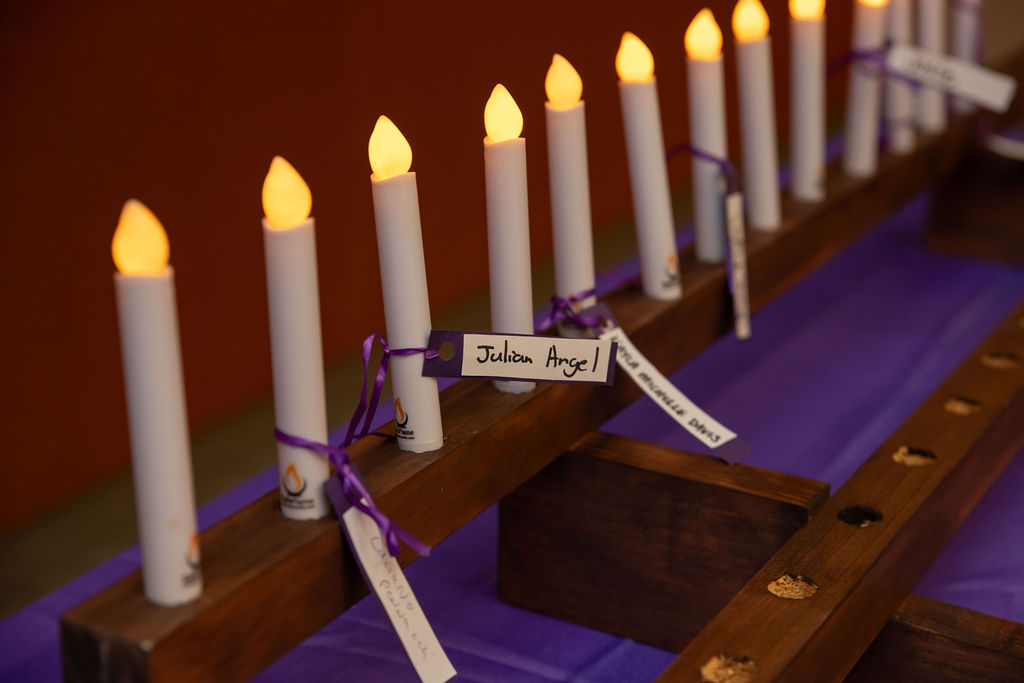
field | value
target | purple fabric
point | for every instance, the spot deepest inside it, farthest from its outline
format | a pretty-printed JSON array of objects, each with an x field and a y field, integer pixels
[{"x": 836, "y": 364}]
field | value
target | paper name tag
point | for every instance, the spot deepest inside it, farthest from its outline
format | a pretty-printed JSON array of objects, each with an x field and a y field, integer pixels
[
  {"x": 388, "y": 583},
  {"x": 521, "y": 357},
  {"x": 985, "y": 87},
  {"x": 738, "y": 263},
  {"x": 723, "y": 442}
]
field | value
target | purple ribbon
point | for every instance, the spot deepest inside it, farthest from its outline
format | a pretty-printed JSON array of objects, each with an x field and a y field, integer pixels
[
  {"x": 732, "y": 178},
  {"x": 356, "y": 493},
  {"x": 370, "y": 408},
  {"x": 568, "y": 309}
]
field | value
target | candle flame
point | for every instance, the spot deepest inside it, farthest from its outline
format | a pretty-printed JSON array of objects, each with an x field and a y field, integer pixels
[
  {"x": 502, "y": 118},
  {"x": 390, "y": 153},
  {"x": 749, "y": 21},
  {"x": 140, "y": 244},
  {"x": 874, "y": 3},
  {"x": 286, "y": 197},
  {"x": 807, "y": 9},
  {"x": 634, "y": 61},
  {"x": 703, "y": 39},
  {"x": 562, "y": 84}
]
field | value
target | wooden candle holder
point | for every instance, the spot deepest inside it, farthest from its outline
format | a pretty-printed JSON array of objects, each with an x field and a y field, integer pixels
[{"x": 271, "y": 582}]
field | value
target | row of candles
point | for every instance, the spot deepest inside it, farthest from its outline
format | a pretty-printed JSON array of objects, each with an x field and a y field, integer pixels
[{"x": 145, "y": 281}]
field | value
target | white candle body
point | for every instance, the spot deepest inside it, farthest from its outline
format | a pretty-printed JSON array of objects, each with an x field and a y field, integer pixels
[
  {"x": 707, "y": 132},
  {"x": 966, "y": 40},
  {"x": 652, "y": 202},
  {"x": 406, "y": 310},
  {"x": 757, "y": 126},
  {"x": 572, "y": 230},
  {"x": 508, "y": 243},
  {"x": 863, "y": 101},
  {"x": 931, "y": 28},
  {"x": 161, "y": 455},
  {"x": 899, "y": 95},
  {"x": 296, "y": 351},
  {"x": 807, "y": 135}
]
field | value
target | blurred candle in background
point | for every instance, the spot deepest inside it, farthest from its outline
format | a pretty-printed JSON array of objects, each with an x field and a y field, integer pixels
[
  {"x": 757, "y": 115},
  {"x": 899, "y": 95},
  {"x": 508, "y": 222},
  {"x": 807, "y": 99},
  {"x": 296, "y": 349},
  {"x": 648, "y": 171},
  {"x": 155, "y": 392},
  {"x": 864, "y": 96},
  {"x": 706, "y": 81},
  {"x": 403, "y": 279},
  {"x": 967, "y": 28},
  {"x": 572, "y": 230},
  {"x": 931, "y": 32}
]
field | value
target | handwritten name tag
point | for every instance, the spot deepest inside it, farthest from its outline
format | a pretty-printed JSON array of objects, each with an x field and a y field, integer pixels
[
  {"x": 520, "y": 357},
  {"x": 388, "y": 583},
  {"x": 738, "y": 263},
  {"x": 985, "y": 87}
]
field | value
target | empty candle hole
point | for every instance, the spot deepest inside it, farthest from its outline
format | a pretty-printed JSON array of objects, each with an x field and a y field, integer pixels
[
  {"x": 727, "y": 669},
  {"x": 447, "y": 351},
  {"x": 859, "y": 516},
  {"x": 792, "y": 587},
  {"x": 1001, "y": 360},
  {"x": 961, "y": 405},
  {"x": 913, "y": 457}
]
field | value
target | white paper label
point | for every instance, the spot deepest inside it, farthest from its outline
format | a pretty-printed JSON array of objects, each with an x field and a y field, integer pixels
[
  {"x": 392, "y": 589},
  {"x": 985, "y": 87},
  {"x": 738, "y": 263},
  {"x": 681, "y": 409},
  {"x": 543, "y": 359}
]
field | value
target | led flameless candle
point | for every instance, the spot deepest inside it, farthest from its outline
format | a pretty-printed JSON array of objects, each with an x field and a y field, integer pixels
[
  {"x": 966, "y": 40},
  {"x": 570, "y": 185},
  {"x": 404, "y": 283},
  {"x": 899, "y": 95},
  {"x": 807, "y": 99},
  {"x": 863, "y": 99},
  {"x": 648, "y": 172},
  {"x": 703, "y": 43},
  {"x": 757, "y": 115},
  {"x": 293, "y": 298},
  {"x": 155, "y": 392},
  {"x": 931, "y": 33},
  {"x": 508, "y": 222}
]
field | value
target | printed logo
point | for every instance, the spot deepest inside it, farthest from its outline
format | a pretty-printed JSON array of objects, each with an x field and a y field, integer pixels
[
  {"x": 671, "y": 272},
  {"x": 292, "y": 483},
  {"x": 191, "y": 561},
  {"x": 401, "y": 417}
]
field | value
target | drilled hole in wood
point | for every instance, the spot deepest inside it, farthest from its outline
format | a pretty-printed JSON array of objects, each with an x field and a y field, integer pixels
[
  {"x": 1001, "y": 360},
  {"x": 913, "y": 457},
  {"x": 727, "y": 669},
  {"x": 961, "y": 405},
  {"x": 793, "y": 587},
  {"x": 447, "y": 351},
  {"x": 859, "y": 516}
]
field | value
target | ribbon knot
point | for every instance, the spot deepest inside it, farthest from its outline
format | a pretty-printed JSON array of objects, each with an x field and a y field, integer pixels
[
  {"x": 732, "y": 178},
  {"x": 568, "y": 309}
]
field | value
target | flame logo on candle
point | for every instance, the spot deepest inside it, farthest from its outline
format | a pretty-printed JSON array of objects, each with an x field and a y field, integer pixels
[
  {"x": 401, "y": 417},
  {"x": 292, "y": 483},
  {"x": 192, "y": 554},
  {"x": 671, "y": 271}
]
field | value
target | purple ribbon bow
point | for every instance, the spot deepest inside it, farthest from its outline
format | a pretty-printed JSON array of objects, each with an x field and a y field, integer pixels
[
  {"x": 356, "y": 493},
  {"x": 568, "y": 309}
]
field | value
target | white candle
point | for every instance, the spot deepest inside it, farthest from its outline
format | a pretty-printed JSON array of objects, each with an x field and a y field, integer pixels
[
  {"x": 863, "y": 100},
  {"x": 648, "y": 172},
  {"x": 570, "y": 187},
  {"x": 966, "y": 40},
  {"x": 293, "y": 299},
  {"x": 757, "y": 115},
  {"x": 899, "y": 95},
  {"x": 403, "y": 278},
  {"x": 706, "y": 81},
  {"x": 155, "y": 392},
  {"x": 931, "y": 28},
  {"x": 508, "y": 222},
  {"x": 807, "y": 99}
]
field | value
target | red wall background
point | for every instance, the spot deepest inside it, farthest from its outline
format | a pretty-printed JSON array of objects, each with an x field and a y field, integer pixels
[{"x": 182, "y": 104}]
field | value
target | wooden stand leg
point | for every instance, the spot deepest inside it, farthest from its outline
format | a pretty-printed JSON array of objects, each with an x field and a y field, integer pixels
[{"x": 643, "y": 541}]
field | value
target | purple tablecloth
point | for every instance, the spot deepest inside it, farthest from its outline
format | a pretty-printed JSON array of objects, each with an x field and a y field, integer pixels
[{"x": 835, "y": 365}]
